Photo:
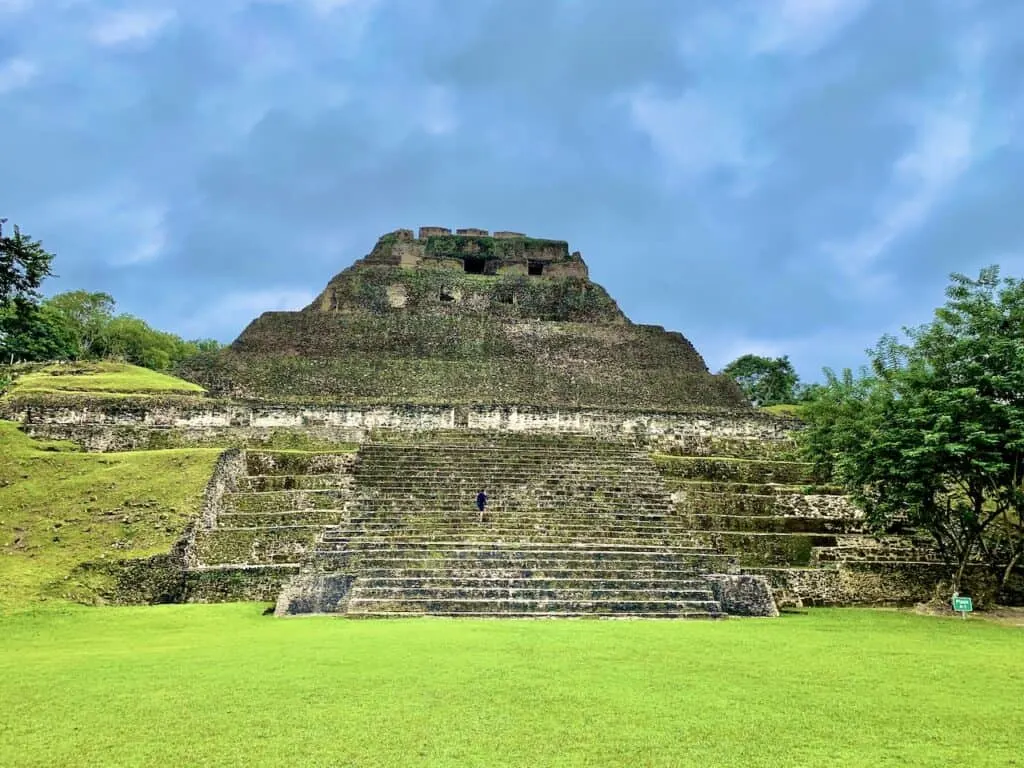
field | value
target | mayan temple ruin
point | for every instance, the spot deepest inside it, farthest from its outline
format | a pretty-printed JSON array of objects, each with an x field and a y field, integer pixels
[{"x": 623, "y": 478}]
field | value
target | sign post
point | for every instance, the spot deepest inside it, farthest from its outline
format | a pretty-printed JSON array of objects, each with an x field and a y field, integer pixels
[{"x": 963, "y": 604}]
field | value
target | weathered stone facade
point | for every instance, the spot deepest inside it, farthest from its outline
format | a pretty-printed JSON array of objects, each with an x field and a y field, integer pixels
[
  {"x": 464, "y": 319},
  {"x": 625, "y": 479}
]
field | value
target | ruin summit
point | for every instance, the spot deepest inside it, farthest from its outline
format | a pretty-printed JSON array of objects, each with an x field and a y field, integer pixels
[{"x": 469, "y": 317}]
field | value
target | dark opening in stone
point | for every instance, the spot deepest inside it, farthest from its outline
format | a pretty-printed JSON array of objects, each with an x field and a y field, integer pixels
[
  {"x": 535, "y": 268},
  {"x": 474, "y": 265}
]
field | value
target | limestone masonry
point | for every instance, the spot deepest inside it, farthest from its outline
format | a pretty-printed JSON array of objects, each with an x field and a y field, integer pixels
[
  {"x": 624, "y": 478},
  {"x": 464, "y": 319}
]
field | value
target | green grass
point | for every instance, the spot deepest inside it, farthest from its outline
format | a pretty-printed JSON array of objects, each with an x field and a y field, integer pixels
[
  {"x": 785, "y": 409},
  {"x": 101, "y": 378},
  {"x": 59, "y": 507},
  {"x": 223, "y": 685}
]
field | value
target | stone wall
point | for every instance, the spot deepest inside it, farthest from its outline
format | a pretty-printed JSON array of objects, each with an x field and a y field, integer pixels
[{"x": 126, "y": 423}]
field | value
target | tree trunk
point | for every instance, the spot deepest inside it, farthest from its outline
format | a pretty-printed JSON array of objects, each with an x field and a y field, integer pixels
[{"x": 1008, "y": 571}]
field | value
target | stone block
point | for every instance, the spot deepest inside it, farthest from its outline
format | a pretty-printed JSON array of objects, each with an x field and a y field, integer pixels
[
  {"x": 743, "y": 595},
  {"x": 313, "y": 592}
]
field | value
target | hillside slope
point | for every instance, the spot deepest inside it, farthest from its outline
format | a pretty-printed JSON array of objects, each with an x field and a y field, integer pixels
[{"x": 60, "y": 508}]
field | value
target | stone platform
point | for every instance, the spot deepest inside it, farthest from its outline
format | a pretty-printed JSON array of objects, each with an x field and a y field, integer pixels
[{"x": 575, "y": 526}]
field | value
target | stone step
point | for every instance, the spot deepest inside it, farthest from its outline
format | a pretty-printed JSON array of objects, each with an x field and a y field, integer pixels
[
  {"x": 395, "y": 509},
  {"x": 841, "y": 554},
  {"x": 770, "y": 524},
  {"x": 740, "y": 488},
  {"x": 262, "y": 462},
  {"x": 509, "y": 527},
  {"x": 391, "y": 543},
  {"x": 366, "y": 613},
  {"x": 590, "y": 607},
  {"x": 588, "y": 447},
  {"x": 671, "y": 581},
  {"x": 495, "y": 493},
  {"x": 778, "y": 504},
  {"x": 457, "y": 561},
  {"x": 604, "y": 541},
  {"x": 555, "y": 592},
  {"x": 285, "y": 501},
  {"x": 321, "y": 482},
  {"x": 319, "y": 517},
  {"x": 463, "y": 572},
  {"x": 509, "y": 477},
  {"x": 734, "y": 470}
]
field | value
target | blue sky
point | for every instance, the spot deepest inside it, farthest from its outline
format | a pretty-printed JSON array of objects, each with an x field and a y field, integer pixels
[{"x": 771, "y": 176}]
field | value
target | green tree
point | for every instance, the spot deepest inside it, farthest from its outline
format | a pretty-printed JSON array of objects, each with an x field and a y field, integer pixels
[
  {"x": 765, "y": 380},
  {"x": 24, "y": 264},
  {"x": 87, "y": 315},
  {"x": 934, "y": 432},
  {"x": 31, "y": 333}
]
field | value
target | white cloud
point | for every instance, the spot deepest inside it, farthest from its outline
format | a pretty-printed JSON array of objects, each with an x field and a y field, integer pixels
[
  {"x": 437, "y": 115},
  {"x": 944, "y": 149},
  {"x": 130, "y": 26},
  {"x": 16, "y": 73},
  {"x": 697, "y": 135},
  {"x": 803, "y": 26},
  {"x": 949, "y": 137},
  {"x": 132, "y": 230},
  {"x": 236, "y": 310},
  {"x": 14, "y": 6}
]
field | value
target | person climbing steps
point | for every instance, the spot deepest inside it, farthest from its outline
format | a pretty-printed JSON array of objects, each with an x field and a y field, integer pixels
[{"x": 481, "y": 503}]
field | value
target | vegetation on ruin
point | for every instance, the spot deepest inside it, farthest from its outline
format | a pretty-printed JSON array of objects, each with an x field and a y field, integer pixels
[
  {"x": 567, "y": 299},
  {"x": 223, "y": 685},
  {"x": 101, "y": 377},
  {"x": 60, "y": 508},
  {"x": 934, "y": 431},
  {"x": 457, "y": 246}
]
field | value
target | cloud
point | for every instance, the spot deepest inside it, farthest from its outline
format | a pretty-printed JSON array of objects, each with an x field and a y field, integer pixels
[
  {"x": 131, "y": 230},
  {"x": 944, "y": 148},
  {"x": 130, "y": 26},
  {"x": 232, "y": 312},
  {"x": 695, "y": 134},
  {"x": 438, "y": 115},
  {"x": 802, "y": 26},
  {"x": 16, "y": 73},
  {"x": 949, "y": 136}
]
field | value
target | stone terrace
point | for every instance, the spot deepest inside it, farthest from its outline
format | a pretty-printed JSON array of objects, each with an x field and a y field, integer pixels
[{"x": 574, "y": 526}]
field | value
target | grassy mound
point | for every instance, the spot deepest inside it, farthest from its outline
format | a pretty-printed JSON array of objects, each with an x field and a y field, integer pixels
[
  {"x": 60, "y": 507},
  {"x": 222, "y": 685},
  {"x": 101, "y": 378}
]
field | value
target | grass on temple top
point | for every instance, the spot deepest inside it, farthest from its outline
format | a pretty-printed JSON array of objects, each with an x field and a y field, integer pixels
[
  {"x": 223, "y": 685},
  {"x": 101, "y": 378}
]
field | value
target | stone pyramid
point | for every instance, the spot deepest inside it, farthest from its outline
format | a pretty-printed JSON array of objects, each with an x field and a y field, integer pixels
[{"x": 466, "y": 318}]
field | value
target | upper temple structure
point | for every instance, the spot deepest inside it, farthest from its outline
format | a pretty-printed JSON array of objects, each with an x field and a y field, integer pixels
[{"x": 472, "y": 318}]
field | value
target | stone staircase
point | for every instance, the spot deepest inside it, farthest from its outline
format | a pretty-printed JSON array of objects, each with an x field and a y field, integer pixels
[
  {"x": 764, "y": 509},
  {"x": 573, "y": 527},
  {"x": 266, "y": 524}
]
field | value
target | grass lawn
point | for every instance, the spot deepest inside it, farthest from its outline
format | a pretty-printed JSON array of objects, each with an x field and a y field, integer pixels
[
  {"x": 60, "y": 507},
  {"x": 223, "y": 685},
  {"x": 102, "y": 378}
]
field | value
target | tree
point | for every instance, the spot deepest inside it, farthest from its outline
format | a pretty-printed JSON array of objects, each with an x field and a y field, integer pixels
[
  {"x": 934, "y": 433},
  {"x": 23, "y": 267},
  {"x": 764, "y": 380},
  {"x": 86, "y": 314},
  {"x": 32, "y": 333}
]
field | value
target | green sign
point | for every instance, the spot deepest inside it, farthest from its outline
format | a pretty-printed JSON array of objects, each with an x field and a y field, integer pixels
[{"x": 963, "y": 604}]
